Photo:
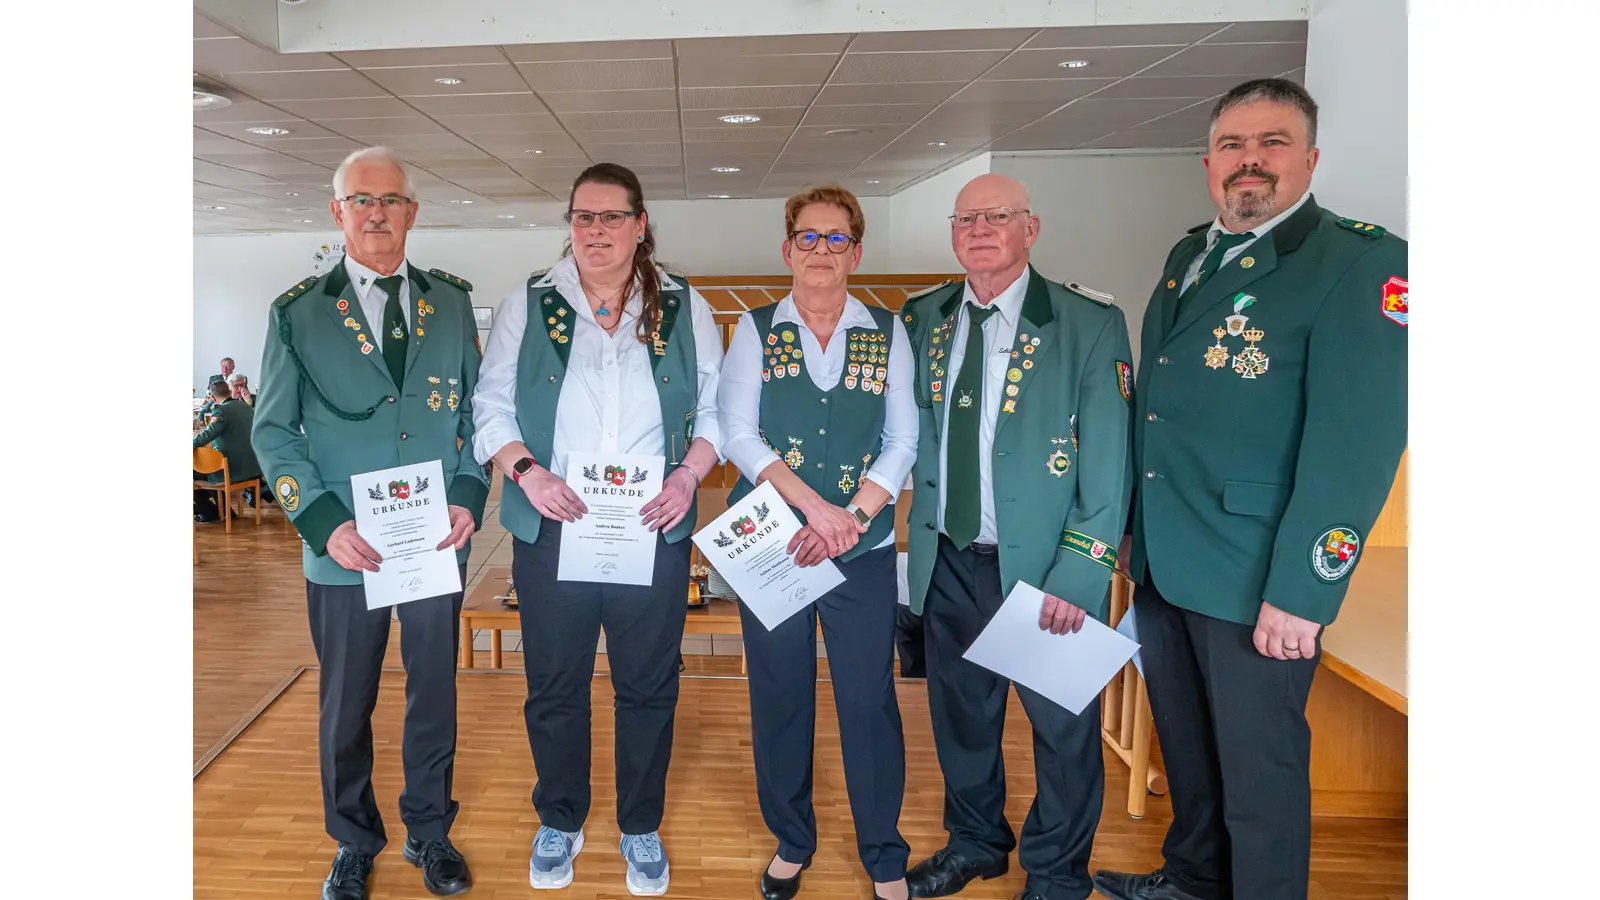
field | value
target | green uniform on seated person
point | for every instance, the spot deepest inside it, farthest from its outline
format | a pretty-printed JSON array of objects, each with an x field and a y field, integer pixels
[{"x": 229, "y": 434}]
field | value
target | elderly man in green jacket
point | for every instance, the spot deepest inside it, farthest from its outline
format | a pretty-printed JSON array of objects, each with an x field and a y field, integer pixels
[
  {"x": 1022, "y": 475},
  {"x": 371, "y": 367},
  {"x": 1270, "y": 421}
]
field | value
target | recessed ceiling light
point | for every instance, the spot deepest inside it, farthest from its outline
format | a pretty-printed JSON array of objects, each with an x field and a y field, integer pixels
[
  {"x": 213, "y": 207},
  {"x": 725, "y": 169},
  {"x": 835, "y": 132},
  {"x": 533, "y": 151},
  {"x": 1073, "y": 64},
  {"x": 447, "y": 80},
  {"x": 460, "y": 201},
  {"x": 205, "y": 100},
  {"x": 533, "y": 224},
  {"x": 720, "y": 196},
  {"x": 269, "y": 130},
  {"x": 307, "y": 222},
  {"x": 505, "y": 217},
  {"x": 740, "y": 119},
  {"x": 874, "y": 181},
  {"x": 938, "y": 143}
]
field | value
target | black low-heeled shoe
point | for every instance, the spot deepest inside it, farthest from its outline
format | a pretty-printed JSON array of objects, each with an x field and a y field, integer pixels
[{"x": 782, "y": 888}]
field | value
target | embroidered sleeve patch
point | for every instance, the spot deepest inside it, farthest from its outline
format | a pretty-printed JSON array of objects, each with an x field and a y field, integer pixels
[
  {"x": 288, "y": 493},
  {"x": 1396, "y": 302},
  {"x": 1334, "y": 554},
  {"x": 1099, "y": 551},
  {"x": 1125, "y": 380}
]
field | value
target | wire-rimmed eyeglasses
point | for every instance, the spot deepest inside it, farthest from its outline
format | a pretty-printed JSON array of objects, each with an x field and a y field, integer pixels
[
  {"x": 367, "y": 202},
  {"x": 611, "y": 218},
  {"x": 998, "y": 216}
]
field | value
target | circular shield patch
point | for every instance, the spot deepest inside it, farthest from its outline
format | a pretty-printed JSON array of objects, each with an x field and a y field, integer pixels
[
  {"x": 1334, "y": 554},
  {"x": 288, "y": 493}
]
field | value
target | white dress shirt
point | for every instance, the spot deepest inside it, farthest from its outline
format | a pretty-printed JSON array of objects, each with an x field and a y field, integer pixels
[
  {"x": 999, "y": 332},
  {"x": 373, "y": 299},
  {"x": 608, "y": 397},
  {"x": 1217, "y": 230},
  {"x": 739, "y": 398}
]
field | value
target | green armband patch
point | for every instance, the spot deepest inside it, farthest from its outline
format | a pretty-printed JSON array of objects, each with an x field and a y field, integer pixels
[{"x": 1099, "y": 551}]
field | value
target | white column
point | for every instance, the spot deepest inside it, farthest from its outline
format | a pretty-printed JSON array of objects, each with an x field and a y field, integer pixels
[{"x": 1356, "y": 71}]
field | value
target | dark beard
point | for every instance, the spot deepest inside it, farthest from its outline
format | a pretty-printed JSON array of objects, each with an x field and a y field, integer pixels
[{"x": 1253, "y": 207}]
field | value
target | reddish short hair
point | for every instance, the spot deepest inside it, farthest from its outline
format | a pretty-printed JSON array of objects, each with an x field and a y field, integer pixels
[{"x": 833, "y": 195}]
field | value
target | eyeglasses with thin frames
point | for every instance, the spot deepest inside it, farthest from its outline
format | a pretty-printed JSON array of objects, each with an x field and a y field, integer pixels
[
  {"x": 998, "y": 216},
  {"x": 367, "y": 202},
  {"x": 611, "y": 218},
  {"x": 837, "y": 242}
]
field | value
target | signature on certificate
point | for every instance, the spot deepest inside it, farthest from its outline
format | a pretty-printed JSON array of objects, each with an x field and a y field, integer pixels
[
  {"x": 605, "y": 565},
  {"x": 797, "y": 594}
]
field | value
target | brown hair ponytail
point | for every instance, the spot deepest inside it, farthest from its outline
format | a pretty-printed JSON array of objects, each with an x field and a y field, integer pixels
[{"x": 646, "y": 279}]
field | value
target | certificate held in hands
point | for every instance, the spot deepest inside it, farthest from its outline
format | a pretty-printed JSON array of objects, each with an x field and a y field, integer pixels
[
  {"x": 749, "y": 546},
  {"x": 403, "y": 514},
  {"x": 611, "y": 544}
]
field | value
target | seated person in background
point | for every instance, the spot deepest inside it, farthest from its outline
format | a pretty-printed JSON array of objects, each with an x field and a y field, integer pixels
[
  {"x": 239, "y": 389},
  {"x": 230, "y": 435},
  {"x": 227, "y": 369},
  {"x": 210, "y": 406}
]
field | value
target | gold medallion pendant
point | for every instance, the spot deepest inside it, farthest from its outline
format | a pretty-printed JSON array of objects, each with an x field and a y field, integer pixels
[
  {"x": 794, "y": 459},
  {"x": 1217, "y": 355},
  {"x": 966, "y": 400},
  {"x": 1058, "y": 463},
  {"x": 846, "y": 483},
  {"x": 1251, "y": 362}
]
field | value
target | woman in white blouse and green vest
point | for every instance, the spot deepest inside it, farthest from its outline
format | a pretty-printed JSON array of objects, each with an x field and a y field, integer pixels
[
  {"x": 817, "y": 398},
  {"x": 605, "y": 351}
]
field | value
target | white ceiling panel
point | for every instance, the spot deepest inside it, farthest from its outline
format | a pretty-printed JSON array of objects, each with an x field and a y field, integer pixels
[
  {"x": 1104, "y": 62},
  {"x": 601, "y": 75},
  {"x": 271, "y": 86},
  {"x": 523, "y": 103},
  {"x": 620, "y": 121},
  {"x": 1052, "y": 90},
  {"x": 878, "y": 114},
  {"x": 1243, "y": 60},
  {"x": 764, "y": 45},
  {"x": 523, "y": 124},
  {"x": 895, "y": 68},
  {"x": 249, "y": 112},
  {"x": 1145, "y": 88},
  {"x": 610, "y": 101},
  {"x": 770, "y": 118},
  {"x": 642, "y": 135},
  {"x": 423, "y": 80},
  {"x": 205, "y": 28},
  {"x": 1123, "y": 36},
  {"x": 976, "y": 39},
  {"x": 369, "y": 129},
  {"x": 738, "y": 133},
  {"x": 746, "y": 71},
  {"x": 856, "y": 94},
  {"x": 1262, "y": 32},
  {"x": 356, "y": 108},
  {"x": 741, "y": 99}
]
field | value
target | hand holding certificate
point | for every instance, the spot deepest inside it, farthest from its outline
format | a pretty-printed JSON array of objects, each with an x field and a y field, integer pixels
[
  {"x": 611, "y": 542},
  {"x": 402, "y": 513},
  {"x": 1068, "y": 669},
  {"x": 749, "y": 546}
]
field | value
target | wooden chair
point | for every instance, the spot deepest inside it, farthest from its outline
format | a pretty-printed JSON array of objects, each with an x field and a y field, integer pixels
[
  {"x": 208, "y": 460},
  {"x": 1125, "y": 722}
]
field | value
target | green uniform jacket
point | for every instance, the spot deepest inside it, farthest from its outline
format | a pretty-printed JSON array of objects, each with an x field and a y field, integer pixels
[
  {"x": 1260, "y": 474},
  {"x": 329, "y": 409},
  {"x": 1059, "y": 517},
  {"x": 230, "y": 435}
]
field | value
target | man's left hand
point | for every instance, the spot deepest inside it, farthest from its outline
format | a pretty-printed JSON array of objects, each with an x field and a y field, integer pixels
[
  {"x": 461, "y": 528},
  {"x": 1057, "y": 616},
  {"x": 1282, "y": 635},
  {"x": 672, "y": 504}
]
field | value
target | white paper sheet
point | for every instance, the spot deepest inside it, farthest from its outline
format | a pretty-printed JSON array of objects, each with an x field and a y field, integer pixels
[
  {"x": 610, "y": 543},
  {"x": 749, "y": 545},
  {"x": 1129, "y": 629},
  {"x": 402, "y": 512},
  {"x": 1068, "y": 669}
]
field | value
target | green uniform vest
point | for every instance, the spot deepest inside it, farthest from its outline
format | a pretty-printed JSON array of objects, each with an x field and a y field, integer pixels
[
  {"x": 1061, "y": 460},
  {"x": 542, "y": 369},
  {"x": 829, "y": 438}
]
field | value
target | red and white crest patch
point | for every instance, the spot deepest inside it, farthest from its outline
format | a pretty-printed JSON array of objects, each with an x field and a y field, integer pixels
[{"x": 1396, "y": 299}]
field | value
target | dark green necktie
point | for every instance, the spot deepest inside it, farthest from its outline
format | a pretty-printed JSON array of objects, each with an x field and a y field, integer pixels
[
  {"x": 394, "y": 329},
  {"x": 1208, "y": 268},
  {"x": 963, "y": 482}
]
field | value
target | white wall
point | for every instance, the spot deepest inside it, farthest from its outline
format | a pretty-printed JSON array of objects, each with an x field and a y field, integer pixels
[
  {"x": 236, "y": 277},
  {"x": 919, "y": 223},
  {"x": 1356, "y": 71},
  {"x": 1107, "y": 221}
]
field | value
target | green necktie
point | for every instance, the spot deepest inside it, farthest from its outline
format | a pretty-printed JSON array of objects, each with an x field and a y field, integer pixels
[
  {"x": 963, "y": 481},
  {"x": 394, "y": 329},
  {"x": 1208, "y": 268}
]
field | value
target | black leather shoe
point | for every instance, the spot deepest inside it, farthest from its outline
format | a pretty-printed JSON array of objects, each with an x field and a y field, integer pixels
[
  {"x": 348, "y": 880},
  {"x": 1147, "y": 886},
  {"x": 782, "y": 888},
  {"x": 1028, "y": 895},
  {"x": 444, "y": 872},
  {"x": 946, "y": 872}
]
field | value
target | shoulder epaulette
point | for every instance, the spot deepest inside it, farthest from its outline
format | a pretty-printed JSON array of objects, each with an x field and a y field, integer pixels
[
  {"x": 1365, "y": 228},
  {"x": 926, "y": 291},
  {"x": 1201, "y": 227},
  {"x": 462, "y": 283},
  {"x": 288, "y": 297},
  {"x": 1099, "y": 297}
]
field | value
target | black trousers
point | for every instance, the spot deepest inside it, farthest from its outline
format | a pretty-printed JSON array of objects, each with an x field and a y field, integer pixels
[
  {"x": 1233, "y": 732},
  {"x": 858, "y": 627},
  {"x": 561, "y": 623},
  {"x": 908, "y": 640},
  {"x": 968, "y": 706},
  {"x": 350, "y": 641}
]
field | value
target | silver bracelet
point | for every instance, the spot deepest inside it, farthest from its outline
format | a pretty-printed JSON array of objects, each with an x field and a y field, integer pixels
[{"x": 697, "y": 477}]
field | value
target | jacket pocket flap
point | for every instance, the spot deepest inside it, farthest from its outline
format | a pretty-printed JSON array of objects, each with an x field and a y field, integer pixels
[{"x": 1251, "y": 498}]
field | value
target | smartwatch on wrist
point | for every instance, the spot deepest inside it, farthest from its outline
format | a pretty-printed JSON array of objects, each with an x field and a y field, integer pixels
[
  {"x": 859, "y": 513},
  {"x": 520, "y": 468}
]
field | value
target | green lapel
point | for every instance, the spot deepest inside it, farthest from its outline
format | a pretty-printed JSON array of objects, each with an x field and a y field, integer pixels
[
  {"x": 336, "y": 287},
  {"x": 1036, "y": 313},
  {"x": 1171, "y": 287},
  {"x": 420, "y": 311},
  {"x": 1256, "y": 261}
]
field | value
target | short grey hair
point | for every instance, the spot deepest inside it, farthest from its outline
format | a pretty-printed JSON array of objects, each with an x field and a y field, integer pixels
[
  {"x": 1272, "y": 90},
  {"x": 372, "y": 155}
]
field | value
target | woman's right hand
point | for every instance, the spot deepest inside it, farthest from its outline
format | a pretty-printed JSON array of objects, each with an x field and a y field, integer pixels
[
  {"x": 837, "y": 528},
  {"x": 551, "y": 496}
]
